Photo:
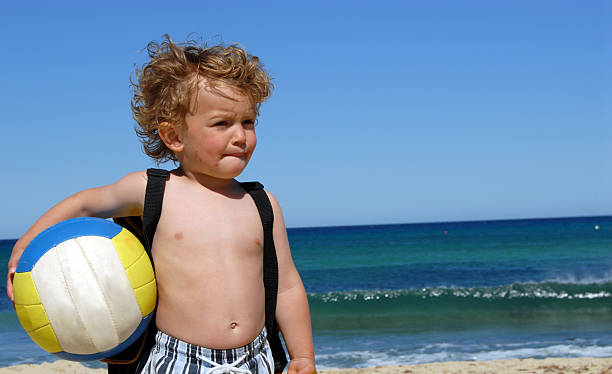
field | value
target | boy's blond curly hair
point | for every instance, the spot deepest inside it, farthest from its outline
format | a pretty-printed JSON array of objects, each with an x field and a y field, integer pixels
[{"x": 164, "y": 87}]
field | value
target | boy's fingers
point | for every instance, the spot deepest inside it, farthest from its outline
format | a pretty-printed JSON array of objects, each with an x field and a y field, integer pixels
[
  {"x": 301, "y": 366},
  {"x": 306, "y": 370},
  {"x": 9, "y": 283}
]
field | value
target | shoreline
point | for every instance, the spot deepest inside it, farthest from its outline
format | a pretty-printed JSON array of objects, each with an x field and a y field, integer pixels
[{"x": 582, "y": 365}]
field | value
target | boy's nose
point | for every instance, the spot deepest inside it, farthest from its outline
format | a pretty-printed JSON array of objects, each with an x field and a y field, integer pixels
[{"x": 239, "y": 135}]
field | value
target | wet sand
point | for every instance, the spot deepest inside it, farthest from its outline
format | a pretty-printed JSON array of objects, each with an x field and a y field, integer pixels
[{"x": 532, "y": 366}]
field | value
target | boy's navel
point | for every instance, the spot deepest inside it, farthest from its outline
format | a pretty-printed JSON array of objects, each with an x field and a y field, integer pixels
[{"x": 233, "y": 325}]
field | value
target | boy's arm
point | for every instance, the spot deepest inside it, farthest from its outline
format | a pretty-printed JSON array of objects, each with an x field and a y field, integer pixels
[
  {"x": 122, "y": 198},
  {"x": 292, "y": 312}
]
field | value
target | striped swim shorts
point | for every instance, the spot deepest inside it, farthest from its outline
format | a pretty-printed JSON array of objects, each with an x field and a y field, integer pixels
[{"x": 170, "y": 355}]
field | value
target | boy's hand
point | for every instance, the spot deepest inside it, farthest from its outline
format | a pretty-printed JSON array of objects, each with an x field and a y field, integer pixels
[
  {"x": 9, "y": 284},
  {"x": 18, "y": 249},
  {"x": 302, "y": 366}
]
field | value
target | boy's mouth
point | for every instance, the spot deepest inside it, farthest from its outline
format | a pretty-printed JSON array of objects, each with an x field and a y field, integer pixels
[{"x": 237, "y": 154}]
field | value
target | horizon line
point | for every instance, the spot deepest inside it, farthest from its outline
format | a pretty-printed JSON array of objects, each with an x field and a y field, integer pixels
[
  {"x": 451, "y": 222},
  {"x": 428, "y": 223}
]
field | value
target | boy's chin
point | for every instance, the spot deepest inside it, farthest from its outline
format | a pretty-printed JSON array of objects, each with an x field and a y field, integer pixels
[
  {"x": 233, "y": 169},
  {"x": 226, "y": 174}
]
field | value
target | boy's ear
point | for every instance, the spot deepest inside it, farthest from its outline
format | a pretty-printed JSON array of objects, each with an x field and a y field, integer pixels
[{"x": 171, "y": 136}]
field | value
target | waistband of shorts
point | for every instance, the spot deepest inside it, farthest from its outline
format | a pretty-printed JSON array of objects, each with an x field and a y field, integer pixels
[{"x": 174, "y": 346}]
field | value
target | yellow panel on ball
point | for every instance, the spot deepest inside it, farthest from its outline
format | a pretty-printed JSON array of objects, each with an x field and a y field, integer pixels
[
  {"x": 24, "y": 289},
  {"x": 31, "y": 313},
  {"x": 138, "y": 269},
  {"x": 143, "y": 296},
  {"x": 46, "y": 339},
  {"x": 128, "y": 247}
]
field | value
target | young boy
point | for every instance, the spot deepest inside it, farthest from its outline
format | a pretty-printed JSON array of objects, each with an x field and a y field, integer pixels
[{"x": 198, "y": 107}]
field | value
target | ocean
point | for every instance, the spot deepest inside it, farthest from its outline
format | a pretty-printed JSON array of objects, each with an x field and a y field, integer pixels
[{"x": 419, "y": 293}]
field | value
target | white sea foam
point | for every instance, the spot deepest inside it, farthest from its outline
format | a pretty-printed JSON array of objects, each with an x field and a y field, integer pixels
[
  {"x": 586, "y": 279},
  {"x": 560, "y": 350}
]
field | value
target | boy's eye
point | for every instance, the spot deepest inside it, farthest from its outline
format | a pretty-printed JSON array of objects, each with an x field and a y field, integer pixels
[
  {"x": 248, "y": 123},
  {"x": 221, "y": 123}
]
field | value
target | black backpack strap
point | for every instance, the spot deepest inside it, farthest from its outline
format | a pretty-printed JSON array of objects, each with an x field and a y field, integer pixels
[
  {"x": 154, "y": 198},
  {"x": 264, "y": 207},
  {"x": 270, "y": 268}
]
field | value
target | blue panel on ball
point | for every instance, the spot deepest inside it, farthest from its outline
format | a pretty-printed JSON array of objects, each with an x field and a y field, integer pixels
[
  {"x": 98, "y": 356},
  {"x": 56, "y": 234}
]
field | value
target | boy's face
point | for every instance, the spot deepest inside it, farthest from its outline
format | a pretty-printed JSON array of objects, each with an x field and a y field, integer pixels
[{"x": 219, "y": 138}]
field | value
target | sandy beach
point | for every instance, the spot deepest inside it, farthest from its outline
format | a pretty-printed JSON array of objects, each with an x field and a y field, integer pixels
[{"x": 532, "y": 366}]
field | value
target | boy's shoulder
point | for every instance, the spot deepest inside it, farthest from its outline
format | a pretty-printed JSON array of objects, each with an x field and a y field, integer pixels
[
  {"x": 136, "y": 178},
  {"x": 274, "y": 202}
]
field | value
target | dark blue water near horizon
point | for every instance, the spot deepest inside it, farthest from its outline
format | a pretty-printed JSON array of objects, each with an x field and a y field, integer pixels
[
  {"x": 465, "y": 254},
  {"x": 417, "y": 293}
]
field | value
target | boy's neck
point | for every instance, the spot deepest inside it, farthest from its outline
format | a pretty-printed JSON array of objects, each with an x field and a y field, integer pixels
[{"x": 222, "y": 186}]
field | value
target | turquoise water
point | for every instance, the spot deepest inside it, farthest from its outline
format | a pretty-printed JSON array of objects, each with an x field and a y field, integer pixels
[{"x": 406, "y": 294}]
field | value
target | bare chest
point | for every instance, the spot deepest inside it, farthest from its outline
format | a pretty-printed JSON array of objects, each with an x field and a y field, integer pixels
[{"x": 209, "y": 228}]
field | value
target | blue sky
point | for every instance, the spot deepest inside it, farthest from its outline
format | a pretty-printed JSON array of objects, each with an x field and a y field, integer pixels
[{"x": 384, "y": 112}]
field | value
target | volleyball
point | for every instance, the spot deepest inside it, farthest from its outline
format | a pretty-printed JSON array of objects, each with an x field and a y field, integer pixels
[{"x": 84, "y": 289}]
